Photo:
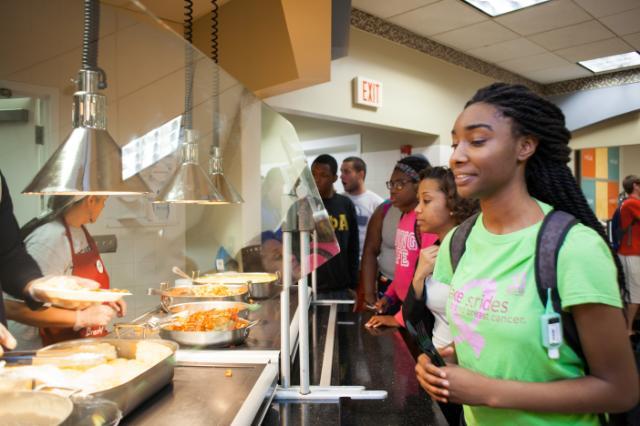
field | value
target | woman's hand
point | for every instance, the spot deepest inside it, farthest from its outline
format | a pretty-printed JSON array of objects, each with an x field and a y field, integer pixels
[
  {"x": 6, "y": 339},
  {"x": 426, "y": 263},
  {"x": 451, "y": 383},
  {"x": 382, "y": 320},
  {"x": 381, "y": 305},
  {"x": 432, "y": 378}
]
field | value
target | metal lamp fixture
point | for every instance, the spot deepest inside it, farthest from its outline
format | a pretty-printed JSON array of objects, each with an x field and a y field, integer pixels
[
  {"x": 89, "y": 161},
  {"x": 224, "y": 187},
  {"x": 190, "y": 184}
]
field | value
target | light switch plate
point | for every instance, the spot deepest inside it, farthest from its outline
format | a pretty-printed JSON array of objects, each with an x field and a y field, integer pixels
[{"x": 106, "y": 243}]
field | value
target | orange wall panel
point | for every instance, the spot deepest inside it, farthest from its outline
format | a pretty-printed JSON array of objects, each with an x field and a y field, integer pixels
[{"x": 588, "y": 163}]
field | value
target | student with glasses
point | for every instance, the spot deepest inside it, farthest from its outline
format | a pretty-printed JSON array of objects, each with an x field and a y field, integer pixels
[{"x": 403, "y": 186}]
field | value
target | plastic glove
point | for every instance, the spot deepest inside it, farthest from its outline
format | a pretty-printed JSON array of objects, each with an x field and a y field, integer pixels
[
  {"x": 6, "y": 339},
  {"x": 96, "y": 315},
  {"x": 35, "y": 287}
]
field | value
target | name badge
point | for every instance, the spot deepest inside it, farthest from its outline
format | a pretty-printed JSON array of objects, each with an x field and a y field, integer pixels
[{"x": 99, "y": 266}]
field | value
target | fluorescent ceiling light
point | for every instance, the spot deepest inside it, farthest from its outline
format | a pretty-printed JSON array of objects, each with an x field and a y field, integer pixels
[
  {"x": 613, "y": 62},
  {"x": 500, "y": 7}
]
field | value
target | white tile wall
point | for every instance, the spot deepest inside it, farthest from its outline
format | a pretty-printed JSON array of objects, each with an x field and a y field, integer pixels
[{"x": 145, "y": 253}]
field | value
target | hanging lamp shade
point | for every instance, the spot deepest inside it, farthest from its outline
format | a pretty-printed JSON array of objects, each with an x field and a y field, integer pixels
[
  {"x": 224, "y": 187},
  {"x": 89, "y": 161},
  {"x": 226, "y": 190},
  {"x": 190, "y": 184}
]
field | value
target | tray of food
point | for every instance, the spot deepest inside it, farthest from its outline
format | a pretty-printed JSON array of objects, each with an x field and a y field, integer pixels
[
  {"x": 262, "y": 285},
  {"x": 125, "y": 371},
  {"x": 219, "y": 324},
  {"x": 68, "y": 294},
  {"x": 205, "y": 292}
]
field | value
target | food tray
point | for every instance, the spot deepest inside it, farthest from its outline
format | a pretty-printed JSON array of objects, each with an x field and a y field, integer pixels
[
  {"x": 262, "y": 285},
  {"x": 132, "y": 393},
  {"x": 177, "y": 295}
]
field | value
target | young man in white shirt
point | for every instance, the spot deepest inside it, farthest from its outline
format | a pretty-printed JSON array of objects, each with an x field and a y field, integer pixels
[{"x": 352, "y": 174}]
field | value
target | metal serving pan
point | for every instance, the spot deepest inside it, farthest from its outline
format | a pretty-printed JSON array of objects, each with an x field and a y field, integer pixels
[
  {"x": 132, "y": 393},
  {"x": 209, "y": 338},
  {"x": 177, "y": 295},
  {"x": 262, "y": 285}
]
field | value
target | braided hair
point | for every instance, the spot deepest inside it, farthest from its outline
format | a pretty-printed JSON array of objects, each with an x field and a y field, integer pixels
[{"x": 547, "y": 175}]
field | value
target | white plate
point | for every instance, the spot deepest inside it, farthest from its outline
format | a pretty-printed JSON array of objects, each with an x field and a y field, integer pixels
[{"x": 79, "y": 299}]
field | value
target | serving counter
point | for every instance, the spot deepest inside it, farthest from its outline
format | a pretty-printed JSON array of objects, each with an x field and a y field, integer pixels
[
  {"x": 220, "y": 386},
  {"x": 237, "y": 385}
]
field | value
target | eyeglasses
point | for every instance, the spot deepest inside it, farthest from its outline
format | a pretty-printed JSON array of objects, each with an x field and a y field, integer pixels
[{"x": 397, "y": 184}]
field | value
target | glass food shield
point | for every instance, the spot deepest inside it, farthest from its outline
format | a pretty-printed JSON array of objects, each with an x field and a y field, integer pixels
[{"x": 144, "y": 59}]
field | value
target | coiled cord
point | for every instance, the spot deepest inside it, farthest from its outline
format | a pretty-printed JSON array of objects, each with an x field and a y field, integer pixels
[
  {"x": 90, "y": 34},
  {"x": 90, "y": 37},
  {"x": 216, "y": 77},
  {"x": 214, "y": 31},
  {"x": 188, "y": 75}
]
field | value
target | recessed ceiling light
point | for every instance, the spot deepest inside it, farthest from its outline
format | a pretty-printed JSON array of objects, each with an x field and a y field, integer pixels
[
  {"x": 613, "y": 62},
  {"x": 500, "y": 7}
]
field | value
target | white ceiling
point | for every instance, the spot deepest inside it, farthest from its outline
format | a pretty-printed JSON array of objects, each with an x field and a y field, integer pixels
[{"x": 542, "y": 43}]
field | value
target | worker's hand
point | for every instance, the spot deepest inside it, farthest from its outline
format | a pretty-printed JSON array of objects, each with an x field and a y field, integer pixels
[
  {"x": 120, "y": 306},
  {"x": 6, "y": 339},
  {"x": 37, "y": 288},
  {"x": 95, "y": 315}
]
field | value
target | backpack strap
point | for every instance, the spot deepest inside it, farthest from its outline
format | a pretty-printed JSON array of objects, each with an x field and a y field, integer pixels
[
  {"x": 553, "y": 231},
  {"x": 459, "y": 240},
  {"x": 386, "y": 205}
]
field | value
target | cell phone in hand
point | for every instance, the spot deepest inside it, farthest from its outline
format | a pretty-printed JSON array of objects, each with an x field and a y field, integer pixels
[{"x": 419, "y": 332}]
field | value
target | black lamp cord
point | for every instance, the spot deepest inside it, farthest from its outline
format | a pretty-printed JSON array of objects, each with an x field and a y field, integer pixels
[
  {"x": 216, "y": 76},
  {"x": 90, "y": 37},
  {"x": 189, "y": 71}
]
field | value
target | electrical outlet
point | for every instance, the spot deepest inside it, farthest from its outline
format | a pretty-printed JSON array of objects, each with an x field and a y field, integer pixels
[{"x": 106, "y": 243}]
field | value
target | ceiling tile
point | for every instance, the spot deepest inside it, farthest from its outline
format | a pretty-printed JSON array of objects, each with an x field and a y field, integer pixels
[
  {"x": 598, "y": 49},
  {"x": 534, "y": 63},
  {"x": 476, "y": 35},
  {"x": 544, "y": 17},
  {"x": 623, "y": 23},
  {"x": 551, "y": 75},
  {"x": 573, "y": 35},
  {"x": 386, "y": 8},
  {"x": 600, "y": 8},
  {"x": 437, "y": 18},
  {"x": 506, "y": 50},
  {"x": 633, "y": 40}
]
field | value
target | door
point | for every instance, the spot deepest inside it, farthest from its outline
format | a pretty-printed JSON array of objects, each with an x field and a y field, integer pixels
[{"x": 22, "y": 149}]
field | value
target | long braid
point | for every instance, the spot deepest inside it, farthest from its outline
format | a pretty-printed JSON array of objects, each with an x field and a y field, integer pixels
[{"x": 548, "y": 177}]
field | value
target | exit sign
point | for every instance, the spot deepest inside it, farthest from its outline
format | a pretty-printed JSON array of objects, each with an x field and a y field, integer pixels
[{"x": 367, "y": 92}]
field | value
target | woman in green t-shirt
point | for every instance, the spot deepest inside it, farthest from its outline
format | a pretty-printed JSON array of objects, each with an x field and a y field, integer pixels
[{"x": 510, "y": 151}]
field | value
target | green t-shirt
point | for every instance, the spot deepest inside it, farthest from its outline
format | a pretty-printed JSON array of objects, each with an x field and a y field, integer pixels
[{"x": 494, "y": 310}]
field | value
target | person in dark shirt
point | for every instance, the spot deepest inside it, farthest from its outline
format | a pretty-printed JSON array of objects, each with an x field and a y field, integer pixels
[
  {"x": 340, "y": 274},
  {"x": 18, "y": 270}
]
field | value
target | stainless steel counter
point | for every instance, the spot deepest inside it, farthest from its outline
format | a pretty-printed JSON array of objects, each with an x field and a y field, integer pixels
[
  {"x": 209, "y": 395},
  {"x": 221, "y": 386}
]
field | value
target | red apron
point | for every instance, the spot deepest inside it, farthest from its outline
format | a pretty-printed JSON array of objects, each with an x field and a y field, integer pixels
[{"x": 85, "y": 265}]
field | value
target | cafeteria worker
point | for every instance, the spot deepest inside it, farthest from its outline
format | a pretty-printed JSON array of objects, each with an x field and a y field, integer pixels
[{"x": 61, "y": 245}]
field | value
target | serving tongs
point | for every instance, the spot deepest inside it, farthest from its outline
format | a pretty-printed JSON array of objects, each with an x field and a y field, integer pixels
[
  {"x": 74, "y": 360},
  {"x": 151, "y": 325}
]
